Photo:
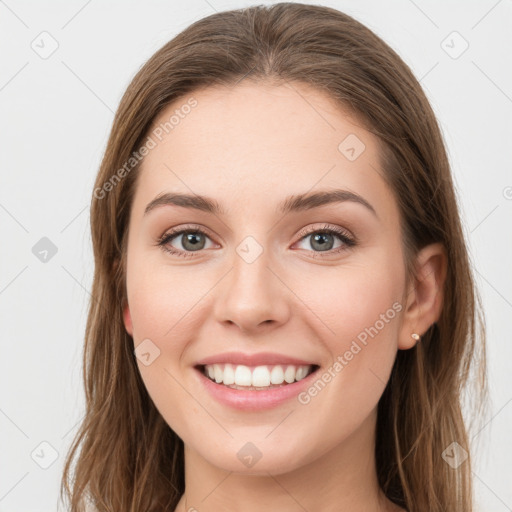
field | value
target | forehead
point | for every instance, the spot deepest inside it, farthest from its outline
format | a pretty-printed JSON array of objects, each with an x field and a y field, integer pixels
[
  {"x": 288, "y": 119},
  {"x": 259, "y": 139}
]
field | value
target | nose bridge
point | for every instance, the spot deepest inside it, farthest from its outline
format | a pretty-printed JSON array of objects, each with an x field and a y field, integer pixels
[
  {"x": 250, "y": 268},
  {"x": 251, "y": 294}
]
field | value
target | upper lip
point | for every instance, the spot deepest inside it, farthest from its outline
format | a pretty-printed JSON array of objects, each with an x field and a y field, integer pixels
[{"x": 258, "y": 359}]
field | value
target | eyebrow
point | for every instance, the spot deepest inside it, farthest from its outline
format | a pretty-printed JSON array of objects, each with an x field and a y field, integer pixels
[{"x": 294, "y": 203}]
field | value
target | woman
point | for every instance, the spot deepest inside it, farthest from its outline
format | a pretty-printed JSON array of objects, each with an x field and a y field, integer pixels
[{"x": 284, "y": 313}]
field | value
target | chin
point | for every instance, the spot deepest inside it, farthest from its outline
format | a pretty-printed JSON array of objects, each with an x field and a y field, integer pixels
[{"x": 248, "y": 459}]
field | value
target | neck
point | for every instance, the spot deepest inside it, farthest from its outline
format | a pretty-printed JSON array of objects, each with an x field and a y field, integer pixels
[{"x": 343, "y": 479}]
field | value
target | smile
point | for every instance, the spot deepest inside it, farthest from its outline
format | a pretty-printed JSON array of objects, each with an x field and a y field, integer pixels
[
  {"x": 275, "y": 384},
  {"x": 258, "y": 377}
]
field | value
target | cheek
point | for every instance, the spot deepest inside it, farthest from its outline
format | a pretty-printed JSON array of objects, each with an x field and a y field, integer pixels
[
  {"x": 161, "y": 299},
  {"x": 354, "y": 299},
  {"x": 360, "y": 307},
  {"x": 161, "y": 304}
]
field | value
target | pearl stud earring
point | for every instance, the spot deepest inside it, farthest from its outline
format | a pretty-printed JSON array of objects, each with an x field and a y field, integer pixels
[{"x": 415, "y": 336}]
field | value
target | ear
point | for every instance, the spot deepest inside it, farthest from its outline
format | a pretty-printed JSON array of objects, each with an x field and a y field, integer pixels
[
  {"x": 127, "y": 318},
  {"x": 424, "y": 298}
]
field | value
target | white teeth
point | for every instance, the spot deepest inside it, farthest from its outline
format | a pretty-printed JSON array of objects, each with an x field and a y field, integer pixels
[
  {"x": 300, "y": 373},
  {"x": 259, "y": 376},
  {"x": 217, "y": 371},
  {"x": 243, "y": 376},
  {"x": 277, "y": 375},
  {"x": 229, "y": 374},
  {"x": 290, "y": 374}
]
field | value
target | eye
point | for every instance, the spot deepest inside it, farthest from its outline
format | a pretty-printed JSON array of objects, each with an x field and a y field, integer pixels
[
  {"x": 192, "y": 239},
  {"x": 324, "y": 240}
]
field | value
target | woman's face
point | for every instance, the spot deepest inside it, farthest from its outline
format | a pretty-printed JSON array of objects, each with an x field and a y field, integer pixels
[{"x": 265, "y": 276}]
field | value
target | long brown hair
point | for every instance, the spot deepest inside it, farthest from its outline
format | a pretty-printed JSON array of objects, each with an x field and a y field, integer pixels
[{"x": 128, "y": 458}]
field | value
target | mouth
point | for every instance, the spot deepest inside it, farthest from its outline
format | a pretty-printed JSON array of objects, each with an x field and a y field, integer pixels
[{"x": 255, "y": 378}]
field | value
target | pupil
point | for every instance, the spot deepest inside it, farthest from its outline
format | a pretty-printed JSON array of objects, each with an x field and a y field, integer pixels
[
  {"x": 318, "y": 239},
  {"x": 192, "y": 239}
]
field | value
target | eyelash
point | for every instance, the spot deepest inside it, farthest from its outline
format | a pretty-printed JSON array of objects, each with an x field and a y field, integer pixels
[{"x": 327, "y": 229}]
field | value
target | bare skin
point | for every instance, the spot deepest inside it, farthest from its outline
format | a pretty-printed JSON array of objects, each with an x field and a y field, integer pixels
[{"x": 249, "y": 148}]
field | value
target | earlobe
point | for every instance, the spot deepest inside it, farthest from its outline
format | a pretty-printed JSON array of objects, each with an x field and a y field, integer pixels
[{"x": 425, "y": 295}]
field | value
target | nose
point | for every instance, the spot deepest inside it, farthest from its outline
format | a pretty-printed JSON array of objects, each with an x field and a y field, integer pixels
[{"x": 252, "y": 296}]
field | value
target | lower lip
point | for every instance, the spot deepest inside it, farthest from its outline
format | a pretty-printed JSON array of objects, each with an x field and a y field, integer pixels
[{"x": 254, "y": 400}]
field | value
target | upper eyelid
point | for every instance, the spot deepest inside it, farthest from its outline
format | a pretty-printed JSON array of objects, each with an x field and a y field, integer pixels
[
  {"x": 175, "y": 232},
  {"x": 326, "y": 227}
]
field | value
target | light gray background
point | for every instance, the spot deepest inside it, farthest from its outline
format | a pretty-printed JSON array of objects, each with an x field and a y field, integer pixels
[{"x": 55, "y": 115}]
